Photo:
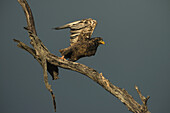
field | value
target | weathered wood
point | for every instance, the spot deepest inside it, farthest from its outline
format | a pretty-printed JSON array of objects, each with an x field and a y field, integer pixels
[
  {"x": 51, "y": 63},
  {"x": 40, "y": 50}
]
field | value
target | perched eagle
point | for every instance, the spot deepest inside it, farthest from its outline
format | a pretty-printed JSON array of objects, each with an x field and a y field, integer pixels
[{"x": 81, "y": 43}]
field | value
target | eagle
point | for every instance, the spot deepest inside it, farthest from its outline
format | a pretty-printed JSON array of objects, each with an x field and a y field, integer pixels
[{"x": 81, "y": 43}]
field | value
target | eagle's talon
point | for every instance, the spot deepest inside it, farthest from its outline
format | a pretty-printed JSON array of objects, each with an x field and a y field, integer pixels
[{"x": 62, "y": 58}]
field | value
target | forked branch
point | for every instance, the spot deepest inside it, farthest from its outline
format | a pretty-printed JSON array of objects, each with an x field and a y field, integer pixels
[{"x": 50, "y": 63}]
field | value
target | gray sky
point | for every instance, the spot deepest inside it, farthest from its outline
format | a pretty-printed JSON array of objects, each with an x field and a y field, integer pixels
[{"x": 137, "y": 52}]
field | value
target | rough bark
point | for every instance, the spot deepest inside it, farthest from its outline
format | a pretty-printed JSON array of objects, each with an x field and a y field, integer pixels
[{"x": 50, "y": 63}]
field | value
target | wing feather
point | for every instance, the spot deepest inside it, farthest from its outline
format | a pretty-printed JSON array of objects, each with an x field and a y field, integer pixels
[{"x": 80, "y": 29}]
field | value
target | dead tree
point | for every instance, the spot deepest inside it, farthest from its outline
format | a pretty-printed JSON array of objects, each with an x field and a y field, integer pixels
[{"x": 50, "y": 63}]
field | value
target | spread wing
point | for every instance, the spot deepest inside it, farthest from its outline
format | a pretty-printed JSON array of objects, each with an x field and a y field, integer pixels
[{"x": 80, "y": 29}]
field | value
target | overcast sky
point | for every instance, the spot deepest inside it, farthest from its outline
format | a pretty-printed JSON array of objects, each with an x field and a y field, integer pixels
[{"x": 137, "y": 52}]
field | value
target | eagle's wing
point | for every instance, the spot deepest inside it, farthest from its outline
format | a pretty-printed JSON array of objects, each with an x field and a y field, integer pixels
[{"x": 80, "y": 29}]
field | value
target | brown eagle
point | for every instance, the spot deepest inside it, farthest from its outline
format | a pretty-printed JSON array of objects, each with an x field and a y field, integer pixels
[{"x": 81, "y": 43}]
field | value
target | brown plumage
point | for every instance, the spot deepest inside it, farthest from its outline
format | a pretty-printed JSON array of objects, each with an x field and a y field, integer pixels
[{"x": 81, "y": 45}]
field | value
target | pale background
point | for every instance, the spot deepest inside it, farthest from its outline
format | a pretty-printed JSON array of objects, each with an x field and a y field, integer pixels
[{"x": 137, "y": 52}]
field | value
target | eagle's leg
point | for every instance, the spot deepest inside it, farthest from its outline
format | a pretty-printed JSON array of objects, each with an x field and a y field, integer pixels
[{"x": 66, "y": 53}]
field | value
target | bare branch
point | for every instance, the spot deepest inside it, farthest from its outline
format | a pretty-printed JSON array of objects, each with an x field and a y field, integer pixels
[
  {"x": 51, "y": 63},
  {"x": 28, "y": 14},
  {"x": 40, "y": 50},
  {"x": 48, "y": 86},
  {"x": 143, "y": 99},
  {"x": 119, "y": 93},
  {"x": 30, "y": 24}
]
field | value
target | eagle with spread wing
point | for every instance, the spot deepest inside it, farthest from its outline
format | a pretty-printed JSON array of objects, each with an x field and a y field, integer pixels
[{"x": 81, "y": 43}]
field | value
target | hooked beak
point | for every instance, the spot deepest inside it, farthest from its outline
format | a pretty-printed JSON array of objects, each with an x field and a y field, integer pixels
[{"x": 101, "y": 42}]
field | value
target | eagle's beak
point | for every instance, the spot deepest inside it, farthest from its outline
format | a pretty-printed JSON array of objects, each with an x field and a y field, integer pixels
[{"x": 101, "y": 42}]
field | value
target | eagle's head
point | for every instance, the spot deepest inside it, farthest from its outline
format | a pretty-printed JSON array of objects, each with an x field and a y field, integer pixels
[{"x": 98, "y": 40}]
